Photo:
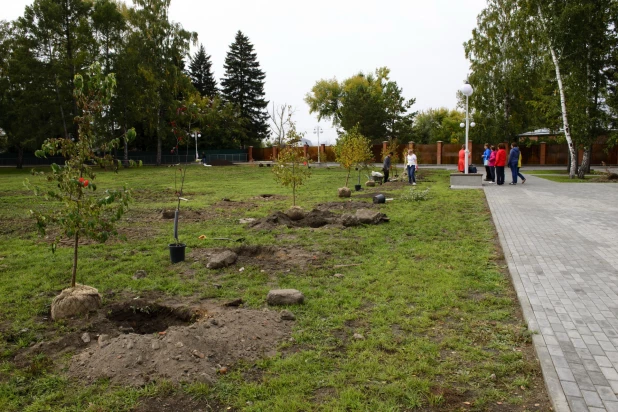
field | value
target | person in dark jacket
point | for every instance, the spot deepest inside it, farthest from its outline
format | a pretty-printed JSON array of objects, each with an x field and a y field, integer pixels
[
  {"x": 513, "y": 162},
  {"x": 387, "y": 166}
]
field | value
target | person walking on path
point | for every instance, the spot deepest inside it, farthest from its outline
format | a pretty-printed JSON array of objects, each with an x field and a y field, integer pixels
[
  {"x": 387, "y": 166},
  {"x": 486, "y": 154},
  {"x": 492, "y": 164},
  {"x": 462, "y": 159},
  {"x": 411, "y": 165},
  {"x": 523, "y": 179},
  {"x": 513, "y": 161},
  {"x": 500, "y": 163}
]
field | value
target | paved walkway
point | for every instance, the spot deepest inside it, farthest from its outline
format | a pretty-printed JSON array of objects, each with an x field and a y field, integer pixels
[{"x": 561, "y": 244}]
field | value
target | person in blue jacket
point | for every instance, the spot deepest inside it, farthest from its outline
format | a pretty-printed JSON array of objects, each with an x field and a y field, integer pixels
[
  {"x": 486, "y": 155},
  {"x": 513, "y": 162}
]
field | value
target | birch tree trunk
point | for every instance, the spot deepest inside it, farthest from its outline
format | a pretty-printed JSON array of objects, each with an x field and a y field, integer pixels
[{"x": 565, "y": 119}]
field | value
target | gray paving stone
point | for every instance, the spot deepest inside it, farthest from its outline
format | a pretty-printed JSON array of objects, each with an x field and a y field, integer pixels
[
  {"x": 577, "y": 404},
  {"x": 607, "y": 393},
  {"x": 560, "y": 243},
  {"x": 592, "y": 398}
]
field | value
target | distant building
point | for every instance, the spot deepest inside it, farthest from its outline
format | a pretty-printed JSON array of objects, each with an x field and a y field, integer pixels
[{"x": 543, "y": 134}]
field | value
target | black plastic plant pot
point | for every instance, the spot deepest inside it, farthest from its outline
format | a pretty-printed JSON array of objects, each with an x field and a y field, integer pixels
[
  {"x": 177, "y": 252},
  {"x": 357, "y": 187},
  {"x": 379, "y": 199}
]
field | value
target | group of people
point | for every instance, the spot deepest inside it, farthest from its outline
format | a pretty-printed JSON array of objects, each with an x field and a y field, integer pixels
[
  {"x": 495, "y": 160},
  {"x": 411, "y": 165}
]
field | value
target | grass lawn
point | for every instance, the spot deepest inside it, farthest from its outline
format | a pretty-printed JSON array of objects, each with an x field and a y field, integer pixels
[{"x": 429, "y": 293}]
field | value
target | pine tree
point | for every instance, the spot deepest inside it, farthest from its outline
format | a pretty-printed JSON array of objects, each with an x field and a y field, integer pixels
[
  {"x": 243, "y": 85},
  {"x": 200, "y": 72}
]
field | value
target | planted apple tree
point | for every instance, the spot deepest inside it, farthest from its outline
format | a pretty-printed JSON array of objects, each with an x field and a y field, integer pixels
[{"x": 84, "y": 213}]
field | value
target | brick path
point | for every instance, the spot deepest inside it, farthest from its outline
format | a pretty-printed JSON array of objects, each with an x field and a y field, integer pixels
[{"x": 561, "y": 244}]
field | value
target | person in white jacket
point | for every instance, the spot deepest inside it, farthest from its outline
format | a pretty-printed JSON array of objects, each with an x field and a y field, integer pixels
[{"x": 411, "y": 166}]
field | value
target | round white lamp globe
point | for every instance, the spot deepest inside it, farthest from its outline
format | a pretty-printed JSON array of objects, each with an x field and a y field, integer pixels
[
  {"x": 472, "y": 124},
  {"x": 467, "y": 90},
  {"x": 462, "y": 125}
]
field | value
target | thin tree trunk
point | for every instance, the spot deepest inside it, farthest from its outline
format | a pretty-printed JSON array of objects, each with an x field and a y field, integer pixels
[
  {"x": 565, "y": 119},
  {"x": 585, "y": 166},
  {"x": 159, "y": 140},
  {"x": 64, "y": 122},
  {"x": 126, "y": 144},
  {"x": 75, "y": 246}
]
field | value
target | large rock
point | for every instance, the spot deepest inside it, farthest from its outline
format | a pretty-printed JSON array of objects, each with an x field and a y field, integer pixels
[
  {"x": 75, "y": 301},
  {"x": 370, "y": 183},
  {"x": 370, "y": 217},
  {"x": 344, "y": 192},
  {"x": 349, "y": 220},
  {"x": 285, "y": 297},
  {"x": 222, "y": 260},
  {"x": 295, "y": 213}
]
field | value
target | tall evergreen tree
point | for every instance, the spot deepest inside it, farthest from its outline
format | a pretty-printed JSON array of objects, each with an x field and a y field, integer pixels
[
  {"x": 200, "y": 72},
  {"x": 243, "y": 85}
]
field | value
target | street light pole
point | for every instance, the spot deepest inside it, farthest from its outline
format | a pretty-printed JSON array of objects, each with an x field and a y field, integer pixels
[
  {"x": 467, "y": 91},
  {"x": 317, "y": 130},
  {"x": 196, "y": 135}
]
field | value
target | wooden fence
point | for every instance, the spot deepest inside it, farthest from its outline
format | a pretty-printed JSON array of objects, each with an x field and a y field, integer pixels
[{"x": 551, "y": 154}]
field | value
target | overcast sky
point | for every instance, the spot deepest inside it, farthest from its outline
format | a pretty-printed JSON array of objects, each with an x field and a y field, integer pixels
[{"x": 298, "y": 43}]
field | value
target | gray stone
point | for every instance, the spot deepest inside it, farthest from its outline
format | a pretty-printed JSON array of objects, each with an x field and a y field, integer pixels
[
  {"x": 86, "y": 337},
  {"x": 221, "y": 260},
  {"x": 369, "y": 216},
  {"x": 103, "y": 340},
  {"x": 246, "y": 220},
  {"x": 344, "y": 192},
  {"x": 75, "y": 301},
  {"x": 338, "y": 275},
  {"x": 370, "y": 183},
  {"x": 156, "y": 344},
  {"x": 349, "y": 220},
  {"x": 358, "y": 336},
  {"x": 285, "y": 297}
]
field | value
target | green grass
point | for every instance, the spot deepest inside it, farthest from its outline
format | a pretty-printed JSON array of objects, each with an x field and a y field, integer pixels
[{"x": 430, "y": 294}]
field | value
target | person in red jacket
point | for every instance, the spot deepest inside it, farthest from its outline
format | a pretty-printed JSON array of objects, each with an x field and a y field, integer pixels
[
  {"x": 462, "y": 159},
  {"x": 500, "y": 163}
]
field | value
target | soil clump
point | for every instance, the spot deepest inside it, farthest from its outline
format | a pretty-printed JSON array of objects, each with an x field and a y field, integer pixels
[{"x": 323, "y": 215}]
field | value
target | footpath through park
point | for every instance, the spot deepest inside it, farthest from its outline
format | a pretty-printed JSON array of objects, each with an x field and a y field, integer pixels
[{"x": 560, "y": 241}]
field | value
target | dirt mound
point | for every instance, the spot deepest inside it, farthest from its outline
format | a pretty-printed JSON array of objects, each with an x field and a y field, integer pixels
[
  {"x": 198, "y": 352},
  {"x": 269, "y": 258},
  {"x": 315, "y": 219}
]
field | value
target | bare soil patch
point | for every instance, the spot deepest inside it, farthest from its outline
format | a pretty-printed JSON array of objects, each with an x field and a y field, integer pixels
[
  {"x": 136, "y": 341},
  {"x": 269, "y": 258},
  {"x": 198, "y": 352}
]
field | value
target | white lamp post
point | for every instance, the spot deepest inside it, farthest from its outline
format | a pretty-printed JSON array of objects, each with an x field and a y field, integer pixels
[
  {"x": 196, "y": 134},
  {"x": 467, "y": 91},
  {"x": 317, "y": 130}
]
